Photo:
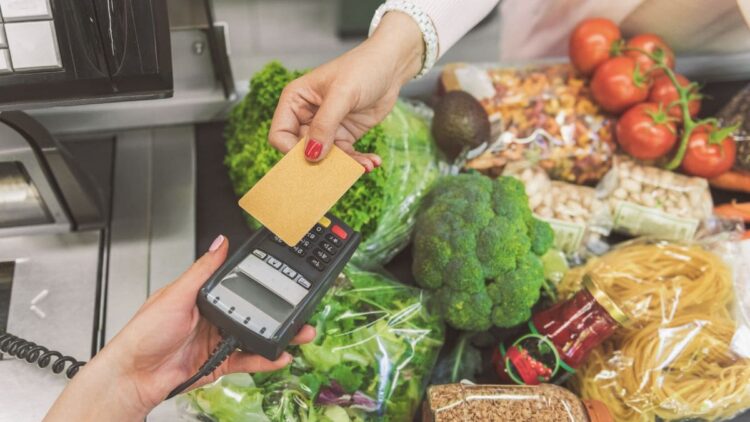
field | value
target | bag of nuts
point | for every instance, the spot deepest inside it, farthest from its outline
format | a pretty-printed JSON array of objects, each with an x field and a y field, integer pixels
[
  {"x": 543, "y": 113},
  {"x": 649, "y": 201},
  {"x": 576, "y": 215}
]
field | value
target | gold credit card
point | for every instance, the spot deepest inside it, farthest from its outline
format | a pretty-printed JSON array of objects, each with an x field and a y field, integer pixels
[{"x": 296, "y": 193}]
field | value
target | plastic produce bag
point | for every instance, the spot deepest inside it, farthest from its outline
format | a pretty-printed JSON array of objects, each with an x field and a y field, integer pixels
[
  {"x": 649, "y": 201},
  {"x": 381, "y": 204},
  {"x": 545, "y": 402},
  {"x": 577, "y": 216},
  {"x": 376, "y": 346},
  {"x": 685, "y": 353},
  {"x": 542, "y": 113},
  {"x": 411, "y": 165}
]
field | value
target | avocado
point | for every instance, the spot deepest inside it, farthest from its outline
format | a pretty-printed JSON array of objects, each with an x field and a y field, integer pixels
[{"x": 459, "y": 121}]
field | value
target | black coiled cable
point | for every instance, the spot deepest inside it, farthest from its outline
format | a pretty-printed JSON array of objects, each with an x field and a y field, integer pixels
[{"x": 42, "y": 356}]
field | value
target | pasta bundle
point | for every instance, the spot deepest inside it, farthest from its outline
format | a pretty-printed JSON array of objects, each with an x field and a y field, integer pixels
[{"x": 674, "y": 360}]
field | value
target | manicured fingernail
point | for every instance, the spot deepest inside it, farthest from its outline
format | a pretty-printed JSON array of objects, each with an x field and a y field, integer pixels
[
  {"x": 377, "y": 162},
  {"x": 313, "y": 149},
  {"x": 216, "y": 243}
]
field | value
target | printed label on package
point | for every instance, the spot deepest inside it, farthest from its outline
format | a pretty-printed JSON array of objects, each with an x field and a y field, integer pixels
[
  {"x": 639, "y": 220},
  {"x": 568, "y": 235}
]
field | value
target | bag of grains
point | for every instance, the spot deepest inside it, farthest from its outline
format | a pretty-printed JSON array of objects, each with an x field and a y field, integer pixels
[{"x": 544, "y": 402}]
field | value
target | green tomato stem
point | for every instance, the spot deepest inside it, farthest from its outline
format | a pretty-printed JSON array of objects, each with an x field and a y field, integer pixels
[{"x": 684, "y": 93}]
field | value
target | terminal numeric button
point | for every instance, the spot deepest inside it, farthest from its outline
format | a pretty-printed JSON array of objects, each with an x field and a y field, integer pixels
[
  {"x": 335, "y": 241},
  {"x": 328, "y": 247},
  {"x": 322, "y": 255},
  {"x": 316, "y": 263}
]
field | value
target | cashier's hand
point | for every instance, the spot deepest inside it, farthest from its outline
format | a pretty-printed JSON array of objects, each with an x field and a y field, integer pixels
[
  {"x": 164, "y": 344},
  {"x": 338, "y": 102}
]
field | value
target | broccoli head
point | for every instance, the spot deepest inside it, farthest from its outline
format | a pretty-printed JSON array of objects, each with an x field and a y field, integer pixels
[{"x": 477, "y": 245}]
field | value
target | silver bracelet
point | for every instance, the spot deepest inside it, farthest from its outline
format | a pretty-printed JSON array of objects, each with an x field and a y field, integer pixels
[{"x": 429, "y": 34}]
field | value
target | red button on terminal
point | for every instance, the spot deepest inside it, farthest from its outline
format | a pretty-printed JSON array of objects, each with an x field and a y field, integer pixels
[{"x": 338, "y": 231}]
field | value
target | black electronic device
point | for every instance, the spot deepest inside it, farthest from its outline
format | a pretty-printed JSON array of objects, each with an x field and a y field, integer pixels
[
  {"x": 267, "y": 290},
  {"x": 55, "y": 52}
]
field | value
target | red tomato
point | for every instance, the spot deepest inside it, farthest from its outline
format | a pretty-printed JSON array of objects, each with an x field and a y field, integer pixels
[
  {"x": 590, "y": 43},
  {"x": 664, "y": 92},
  {"x": 649, "y": 43},
  {"x": 704, "y": 159},
  {"x": 616, "y": 85},
  {"x": 645, "y": 132}
]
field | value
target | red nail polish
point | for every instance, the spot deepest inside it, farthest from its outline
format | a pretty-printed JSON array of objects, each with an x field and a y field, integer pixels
[{"x": 313, "y": 149}]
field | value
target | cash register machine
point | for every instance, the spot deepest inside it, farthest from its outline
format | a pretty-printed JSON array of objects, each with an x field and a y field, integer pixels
[{"x": 54, "y": 204}]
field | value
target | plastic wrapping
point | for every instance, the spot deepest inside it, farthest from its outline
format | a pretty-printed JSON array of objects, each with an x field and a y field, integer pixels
[
  {"x": 684, "y": 355},
  {"x": 542, "y": 113},
  {"x": 575, "y": 213},
  {"x": 411, "y": 165},
  {"x": 467, "y": 402},
  {"x": 376, "y": 346},
  {"x": 649, "y": 201},
  {"x": 382, "y": 203}
]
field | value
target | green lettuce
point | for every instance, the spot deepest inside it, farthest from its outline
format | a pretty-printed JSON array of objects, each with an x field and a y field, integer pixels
[
  {"x": 377, "y": 344},
  {"x": 381, "y": 204}
]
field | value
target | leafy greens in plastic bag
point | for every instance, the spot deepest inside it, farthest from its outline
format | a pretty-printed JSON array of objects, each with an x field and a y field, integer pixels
[
  {"x": 377, "y": 344},
  {"x": 382, "y": 204}
]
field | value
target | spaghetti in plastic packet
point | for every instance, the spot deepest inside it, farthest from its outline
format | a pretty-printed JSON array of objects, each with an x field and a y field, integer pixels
[
  {"x": 373, "y": 355},
  {"x": 578, "y": 218},
  {"x": 649, "y": 201},
  {"x": 686, "y": 353},
  {"x": 543, "y": 113}
]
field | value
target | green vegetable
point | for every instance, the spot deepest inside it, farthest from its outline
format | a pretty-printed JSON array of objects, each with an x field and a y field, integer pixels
[
  {"x": 233, "y": 398},
  {"x": 477, "y": 246},
  {"x": 377, "y": 342},
  {"x": 382, "y": 204},
  {"x": 464, "y": 362}
]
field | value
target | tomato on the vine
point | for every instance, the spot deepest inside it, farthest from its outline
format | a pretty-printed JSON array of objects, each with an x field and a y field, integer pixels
[
  {"x": 708, "y": 158},
  {"x": 590, "y": 43},
  {"x": 665, "y": 93},
  {"x": 617, "y": 85},
  {"x": 646, "y": 132},
  {"x": 652, "y": 44}
]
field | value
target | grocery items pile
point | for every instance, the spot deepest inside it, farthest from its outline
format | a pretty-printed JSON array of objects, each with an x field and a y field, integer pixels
[{"x": 521, "y": 246}]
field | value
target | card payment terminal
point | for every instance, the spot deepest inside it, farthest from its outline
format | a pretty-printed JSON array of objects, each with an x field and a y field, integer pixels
[{"x": 265, "y": 292}]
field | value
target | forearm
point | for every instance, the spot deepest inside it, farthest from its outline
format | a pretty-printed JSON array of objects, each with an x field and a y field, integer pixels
[
  {"x": 398, "y": 40},
  {"x": 99, "y": 392}
]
